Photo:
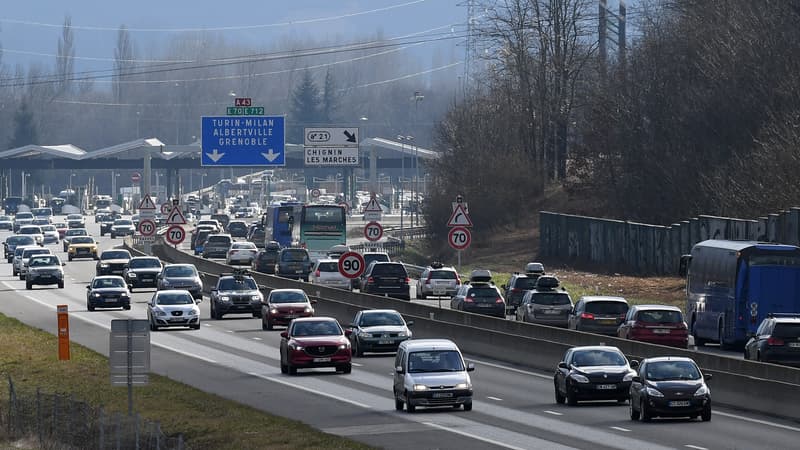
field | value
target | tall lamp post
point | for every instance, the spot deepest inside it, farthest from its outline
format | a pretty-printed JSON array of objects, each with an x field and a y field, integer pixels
[
  {"x": 415, "y": 186},
  {"x": 402, "y": 139},
  {"x": 418, "y": 97}
]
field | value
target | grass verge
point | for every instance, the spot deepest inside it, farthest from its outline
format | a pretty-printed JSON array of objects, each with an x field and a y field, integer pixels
[{"x": 207, "y": 421}]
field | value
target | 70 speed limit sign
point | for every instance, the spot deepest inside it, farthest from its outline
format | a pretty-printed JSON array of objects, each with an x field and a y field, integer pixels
[
  {"x": 175, "y": 234},
  {"x": 373, "y": 231},
  {"x": 351, "y": 265},
  {"x": 459, "y": 238}
]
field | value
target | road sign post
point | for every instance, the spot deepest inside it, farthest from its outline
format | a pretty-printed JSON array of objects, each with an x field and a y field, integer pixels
[
  {"x": 63, "y": 332},
  {"x": 129, "y": 354},
  {"x": 351, "y": 265},
  {"x": 243, "y": 141},
  {"x": 373, "y": 231},
  {"x": 147, "y": 211}
]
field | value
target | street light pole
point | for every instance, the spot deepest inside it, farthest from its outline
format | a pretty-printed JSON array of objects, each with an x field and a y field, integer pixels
[
  {"x": 414, "y": 190},
  {"x": 402, "y": 176},
  {"x": 418, "y": 97}
]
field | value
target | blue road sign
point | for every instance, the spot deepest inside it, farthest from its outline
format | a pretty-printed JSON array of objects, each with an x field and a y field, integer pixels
[{"x": 243, "y": 141}]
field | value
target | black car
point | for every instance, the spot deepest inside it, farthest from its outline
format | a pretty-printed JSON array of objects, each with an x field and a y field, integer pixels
[
  {"x": 479, "y": 296},
  {"x": 593, "y": 373},
  {"x": 776, "y": 341},
  {"x": 294, "y": 263},
  {"x": 669, "y": 386},
  {"x": 257, "y": 235},
  {"x": 112, "y": 262},
  {"x": 142, "y": 271},
  {"x": 106, "y": 222},
  {"x": 516, "y": 288},
  {"x": 217, "y": 246},
  {"x": 387, "y": 278},
  {"x": 236, "y": 293},
  {"x": 369, "y": 258},
  {"x": 238, "y": 228},
  {"x": 109, "y": 291},
  {"x": 266, "y": 259},
  {"x": 223, "y": 219}
]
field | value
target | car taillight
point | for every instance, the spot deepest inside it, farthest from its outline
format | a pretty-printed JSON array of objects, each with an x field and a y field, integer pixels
[
  {"x": 498, "y": 300},
  {"x": 370, "y": 280},
  {"x": 467, "y": 300},
  {"x": 775, "y": 341},
  {"x": 458, "y": 280},
  {"x": 408, "y": 280},
  {"x": 316, "y": 274},
  {"x": 587, "y": 316},
  {"x": 427, "y": 280}
]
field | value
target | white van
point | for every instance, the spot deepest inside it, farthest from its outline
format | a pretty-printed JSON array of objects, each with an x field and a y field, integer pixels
[{"x": 430, "y": 373}]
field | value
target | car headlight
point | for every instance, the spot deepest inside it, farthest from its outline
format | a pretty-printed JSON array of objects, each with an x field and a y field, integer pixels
[
  {"x": 701, "y": 391},
  {"x": 628, "y": 377},
  {"x": 103, "y": 265},
  {"x": 131, "y": 275},
  {"x": 344, "y": 346},
  {"x": 255, "y": 297},
  {"x": 404, "y": 334},
  {"x": 463, "y": 386},
  {"x": 653, "y": 392},
  {"x": 160, "y": 312},
  {"x": 224, "y": 298},
  {"x": 124, "y": 294},
  {"x": 194, "y": 312},
  {"x": 364, "y": 334},
  {"x": 273, "y": 310},
  {"x": 165, "y": 283},
  {"x": 308, "y": 309},
  {"x": 296, "y": 347},
  {"x": 96, "y": 295},
  {"x": 420, "y": 387},
  {"x": 579, "y": 378}
]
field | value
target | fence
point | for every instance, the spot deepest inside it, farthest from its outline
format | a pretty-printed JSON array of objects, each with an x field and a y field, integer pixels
[
  {"x": 59, "y": 421},
  {"x": 639, "y": 248}
]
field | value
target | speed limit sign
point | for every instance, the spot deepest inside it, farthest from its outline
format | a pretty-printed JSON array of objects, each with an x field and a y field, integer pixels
[
  {"x": 147, "y": 227},
  {"x": 175, "y": 234},
  {"x": 459, "y": 238},
  {"x": 351, "y": 265},
  {"x": 373, "y": 231}
]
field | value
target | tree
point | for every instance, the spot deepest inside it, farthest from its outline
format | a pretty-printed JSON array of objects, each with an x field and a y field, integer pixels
[
  {"x": 306, "y": 106},
  {"x": 24, "y": 127},
  {"x": 65, "y": 59},
  {"x": 123, "y": 62},
  {"x": 330, "y": 101}
]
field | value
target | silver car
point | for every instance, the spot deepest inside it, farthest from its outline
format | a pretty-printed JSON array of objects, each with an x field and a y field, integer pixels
[
  {"x": 25, "y": 257},
  {"x": 545, "y": 307},
  {"x": 326, "y": 273},
  {"x": 378, "y": 330},
  {"x": 438, "y": 280},
  {"x": 173, "y": 308}
]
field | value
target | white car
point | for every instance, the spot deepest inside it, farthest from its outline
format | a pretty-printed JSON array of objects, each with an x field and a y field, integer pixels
[
  {"x": 75, "y": 221},
  {"x": 241, "y": 253},
  {"x": 25, "y": 257},
  {"x": 326, "y": 273},
  {"x": 50, "y": 234},
  {"x": 6, "y": 223},
  {"x": 122, "y": 227},
  {"x": 33, "y": 230},
  {"x": 173, "y": 308}
]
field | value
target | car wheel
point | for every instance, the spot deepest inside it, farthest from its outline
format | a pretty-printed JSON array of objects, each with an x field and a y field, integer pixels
[
  {"x": 622, "y": 400},
  {"x": 90, "y": 307},
  {"x": 410, "y": 407},
  {"x": 269, "y": 324},
  {"x": 706, "y": 415},
  {"x": 13, "y": 272},
  {"x": 195, "y": 327},
  {"x": 468, "y": 406},
  {"x": 422, "y": 296},
  {"x": 347, "y": 368},
  {"x": 28, "y": 285},
  {"x": 61, "y": 284},
  {"x": 292, "y": 369},
  {"x": 130, "y": 288},
  {"x": 643, "y": 412},
  {"x": 560, "y": 399},
  {"x": 634, "y": 412},
  {"x": 152, "y": 326},
  {"x": 264, "y": 324},
  {"x": 21, "y": 277},
  {"x": 758, "y": 356},
  {"x": 398, "y": 404},
  {"x": 284, "y": 368},
  {"x": 357, "y": 349},
  {"x": 572, "y": 399},
  {"x": 127, "y": 307}
]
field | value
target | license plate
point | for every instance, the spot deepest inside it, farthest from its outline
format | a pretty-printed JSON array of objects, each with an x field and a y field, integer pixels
[
  {"x": 46, "y": 276},
  {"x": 606, "y": 386},
  {"x": 442, "y": 394},
  {"x": 794, "y": 344},
  {"x": 322, "y": 359},
  {"x": 661, "y": 331},
  {"x": 384, "y": 342},
  {"x": 298, "y": 271},
  {"x": 678, "y": 404},
  {"x": 291, "y": 316},
  {"x": 176, "y": 320},
  {"x": 607, "y": 321},
  {"x": 551, "y": 311}
]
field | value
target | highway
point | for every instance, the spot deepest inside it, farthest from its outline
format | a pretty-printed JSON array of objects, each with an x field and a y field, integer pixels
[{"x": 513, "y": 406}]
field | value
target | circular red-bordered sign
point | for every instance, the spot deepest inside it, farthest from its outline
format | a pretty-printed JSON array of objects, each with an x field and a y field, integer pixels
[
  {"x": 147, "y": 227},
  {"x": 373, "y": 231},
  {"x": 351, "y": 265},
  {"x": 136, "y": 177},
  {"x": 175, "y": 234},
  {"x": 459, "y": 238}
]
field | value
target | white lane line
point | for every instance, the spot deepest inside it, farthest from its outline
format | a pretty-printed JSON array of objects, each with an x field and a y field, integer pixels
[
  {"x": 229, "y": 331},
  {"x": 495, "y": 399},
  {"x": 758, "y": 421},
  {"x": 695, "y": 447},
  {"x": 554, "y": 413},
  {"x": 257, "y": 339},
  {"x": 357, "y": 364},
  {"x": 471, "y": 436},
  {"x": 619, "y": 429},
  {"x": 313, "y": 391},
  {"x": 207, "y": 324},
  {"x": 498, "y": 366}
]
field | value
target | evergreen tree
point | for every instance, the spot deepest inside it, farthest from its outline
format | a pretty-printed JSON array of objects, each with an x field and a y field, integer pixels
[
  {"x": 329, "y": 98},
  {"x": 24, "y": 127},
  {"x": 65, "y": 60},
  {"x": 306, "y": 107}
]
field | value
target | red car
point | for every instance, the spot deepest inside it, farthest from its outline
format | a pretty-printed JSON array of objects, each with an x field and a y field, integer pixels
[
  {"x": 284, "y": 305},
  {"x": 61, "y": 227},
  {"x": 315, "y": 342},
  {"x": 655, "y": 324}
]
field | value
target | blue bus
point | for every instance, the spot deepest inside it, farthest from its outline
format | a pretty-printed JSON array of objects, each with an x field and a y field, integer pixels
[
  {"x": 731, "y": 286},
  {"x": 281, "y": 223}
]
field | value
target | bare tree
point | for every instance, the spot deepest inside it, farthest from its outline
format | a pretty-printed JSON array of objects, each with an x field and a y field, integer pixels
[
  {"x": 65, "y": 59},
  {"x": 123, "y": 63}
]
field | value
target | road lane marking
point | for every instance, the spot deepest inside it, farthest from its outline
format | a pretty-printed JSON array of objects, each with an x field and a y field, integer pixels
[
  {"x": 313, "y": 391},
  {"x": 499, "y": 366},
  {"x": 619, "y": 429},
  {"x": 257, "y": 339},
  {"x": 555, "y": 413},
  {"x": 472, "y": 436},
  {"x": 495, "y": 399},
  {"x": 357, "y": 364},
  {"x": 758, "y": 421},
  {"x": 695, "y": 447}
]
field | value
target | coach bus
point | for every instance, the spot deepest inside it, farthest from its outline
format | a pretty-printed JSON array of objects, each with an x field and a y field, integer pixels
[
  {"x": 731, "y": 286},
  {"x": 322, "y": 227},
  {"x": 281, "y": 223}
]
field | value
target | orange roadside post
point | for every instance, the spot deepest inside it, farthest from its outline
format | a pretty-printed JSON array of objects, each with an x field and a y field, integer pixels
[{"x": 63, "y": 333}]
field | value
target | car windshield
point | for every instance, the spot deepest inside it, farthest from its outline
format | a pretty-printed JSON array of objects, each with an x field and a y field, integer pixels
[
  {"x": 139, "y": 263},
  {"x": 40, "y": 261},
  {"x": 243, "y": 245},
  {"x": 316, "y": 328},
  {"x": 370, "y": 257},
  {"x": 525, "y": 283},
  {"x": 76, "y": 232},
  {"x": 115, "y": 254},
  {"x": 36, "y": 251},
  {"x": 483, "y": 292},
  {"x": 328, "y": 267},
  {"x": 294, "y": 255},
  {"x": 82, "y": 240},
  {"x": 60, "y": 225},
  {"x": 24, "y": 215},
  {"x": 435, "y": 361},
  {"x": 74, "y": 217},
  {"x": 5, "y": 218},
  {"x": 108, "y": 283},
  {"x": 443, "y": 275},
  {"x": 787, "y": 330},
  {"x": 611, "y": 308},
  {"x": 550, "y": 299},
  {"x": 123, "y": 222},
  {"x": 233, "y": 284},
  {"x": 30, "y": 230},
  {"x": 373, "y": 319},
  {"x": 174, "y": 298},
  {"x": 583, "y": 358},
  {"x": 389, "y": 270},
  {"x": 180, "y": 271},
  {"x": 671, "y": 370},
  {"x": 19, "y": 240},
  {"x": 287, "y": 297},
  {"x": 660, "y": 316},
  {"x": 48, "y": 228},
  {"x": 237, "y": 226}
]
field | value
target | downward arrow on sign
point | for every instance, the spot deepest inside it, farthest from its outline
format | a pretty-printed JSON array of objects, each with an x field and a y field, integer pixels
[
  {"x": 271, "y": 156},
  {"x": 215, "y": 155}
]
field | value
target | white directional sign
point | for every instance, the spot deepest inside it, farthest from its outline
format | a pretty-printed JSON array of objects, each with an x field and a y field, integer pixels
[
  {"x": 175, "y": 234},
  {"x": 351, "y": 264},
  {"x": 459, "y": 218},
  {"x": 459, "y": 238},
  {"x": 331, "y": 156},
  {"x": 147, "y": 203},
  {"x": 331, "y": 146},
  {"x": 175, "y": 217},
  {"x": 331, "y": 137},
  {"x": 373, "y": 231},
  {"x": 147, "y": 227}
]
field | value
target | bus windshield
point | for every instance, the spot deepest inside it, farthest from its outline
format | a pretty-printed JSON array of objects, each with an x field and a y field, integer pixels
[{"x": 322, "y": 227}]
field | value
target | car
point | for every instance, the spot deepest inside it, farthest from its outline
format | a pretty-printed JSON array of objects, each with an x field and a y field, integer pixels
[
  {"x": 534, "y": 269},
  {"x": 776, "y": 341},
  {"x": 45, "y": 212},
  {"x": 655, "y": 324},
  {"x": 82, "y": 247},
  {"x": 44, "y": 270},
  {"x": 311, "y": 342},
  {"x": 173, "y": 308},
  {"x": 210, "y": 223},
  {"x": 545, "y": 306},
  {"x": 518, "y": 284},
  {"x": 257, "y": 236},
  {"x": 101, "y": 212},
  {"x": 75, "y": 221},
  {"x": 25, "y": 256},
  {"x": 337, "y": 251},
  {"x": 33, "y": 230},
  {"x": 112, "y": 262},
  {"x": 181, "y": 276},
  {"x": 284, "y": 305},
  {"x": 669, "y": 386},
  {"x": 293, "y": 263},
  {"x": 431, "y": 373},
  {"x": 199, "y": 240},
  {"x": 13, "y": 241},
  {"x": 217, "y": 246},
  {"x": 236, "y": 293},
  {"x": 41, "y": 221},
  {"x": 378, "y": 330},
  {"x": 107, "y": 291},
  {"x": 222, "y": 219},
  {"x": 106, "y": 222},
  {"x": 50, "y": 234},
  {"x": 387, "y": 278},
  {"x": 6, "y": 223},
  {"x": 595, "y": 372},
  {"x": 266, "y": 258},
  {"x": 598, "y": 314},
  {"x": 438, "y": 280},
  {"x": 325, "y": 272},
  {"x": 142, "y": 271},
  {"x": 241, "y": 253},
  {"x": 369, "y": 258},
  {"x": 70, "y": 233},
  {"x": 479, "y": 296},
  {"x": 122, "y": 227},
  {"x": 238, "y": 228},
  {"x": 21, "y": 219},
  {"x": 61, "y": 227}
]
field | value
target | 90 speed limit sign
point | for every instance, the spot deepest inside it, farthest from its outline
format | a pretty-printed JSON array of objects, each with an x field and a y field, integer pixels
[
  {"x": 175, "y": 234},
  {"x": 351, "y": 265},
  {"x": 459, "y": 238},
  {"x": 373, "y": 231}
]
